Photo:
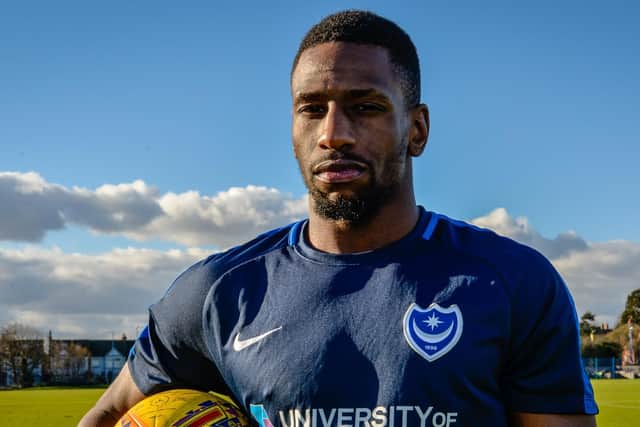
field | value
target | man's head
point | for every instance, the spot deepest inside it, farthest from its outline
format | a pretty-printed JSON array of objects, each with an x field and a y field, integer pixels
[
  {"x": 357, "y": 120},
  {"x": 362, "y": 27}
]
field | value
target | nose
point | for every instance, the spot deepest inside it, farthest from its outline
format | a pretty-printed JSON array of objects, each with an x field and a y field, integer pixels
[{"x": 337, "y": 132}]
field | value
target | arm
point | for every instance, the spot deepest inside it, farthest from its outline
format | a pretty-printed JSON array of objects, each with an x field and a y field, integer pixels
[
  {"x": 169, "y": 353},
  {"x": 121, "y": 395},
  {"x": 544, "y": 382},
  {"x": 523, "y": 419}
]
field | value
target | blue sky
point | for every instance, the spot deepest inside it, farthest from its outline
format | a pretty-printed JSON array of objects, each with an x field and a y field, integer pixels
[{"x": 534, "y": 108}]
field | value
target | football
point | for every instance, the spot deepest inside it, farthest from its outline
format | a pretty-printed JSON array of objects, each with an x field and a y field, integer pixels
[{"x": 184, "y": 408}]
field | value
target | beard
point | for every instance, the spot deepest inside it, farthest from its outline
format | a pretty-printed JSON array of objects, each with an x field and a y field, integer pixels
[
  {"x": 361, "y": 206},
  {"x": 356, "y": 210}
]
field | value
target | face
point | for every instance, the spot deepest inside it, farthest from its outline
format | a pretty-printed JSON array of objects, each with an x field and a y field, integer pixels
[{"x": 352, "y": 132}]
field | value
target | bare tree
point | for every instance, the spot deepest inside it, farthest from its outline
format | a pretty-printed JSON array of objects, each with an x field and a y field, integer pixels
[
  {"x": 21, "y": 352},
  {"x": 69, "y": 361}
]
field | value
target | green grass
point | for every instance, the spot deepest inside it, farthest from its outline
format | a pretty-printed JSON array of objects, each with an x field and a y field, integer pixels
[
  {"x": 46, "y": 406},
  {"x": 619, "y": 402}
]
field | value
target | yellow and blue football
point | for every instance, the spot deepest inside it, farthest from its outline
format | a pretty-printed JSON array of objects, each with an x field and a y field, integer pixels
[{"x": 184, "y": 408}]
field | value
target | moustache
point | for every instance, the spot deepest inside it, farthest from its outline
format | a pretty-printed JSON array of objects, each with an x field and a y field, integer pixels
[{"x": 335, "y": 156}]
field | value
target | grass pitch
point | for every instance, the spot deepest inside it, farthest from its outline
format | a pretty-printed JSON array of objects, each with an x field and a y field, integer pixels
[
  {"x": 619, "y": 402},
  {"x": 46, "y": 407}
]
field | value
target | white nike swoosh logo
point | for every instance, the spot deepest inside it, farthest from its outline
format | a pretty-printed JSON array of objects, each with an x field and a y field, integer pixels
[{"x": 239, "y": 344}]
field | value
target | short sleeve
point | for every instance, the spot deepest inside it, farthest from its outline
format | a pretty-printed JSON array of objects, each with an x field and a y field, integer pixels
[
  {"x": 544, "y": 371},
  {"x": 171, "y": 352}
]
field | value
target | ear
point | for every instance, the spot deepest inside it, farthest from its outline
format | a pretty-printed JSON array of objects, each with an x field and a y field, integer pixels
[{"x": 419, "y": 129}]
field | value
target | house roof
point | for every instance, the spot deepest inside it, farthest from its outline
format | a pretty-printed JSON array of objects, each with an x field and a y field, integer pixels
[{"x": 100, "y": 348}]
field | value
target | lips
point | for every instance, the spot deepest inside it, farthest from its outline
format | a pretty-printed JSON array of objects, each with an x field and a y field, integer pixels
[{"x": 339, "y": 171}]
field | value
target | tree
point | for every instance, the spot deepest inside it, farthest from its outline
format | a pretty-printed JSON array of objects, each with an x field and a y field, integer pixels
[
  {"x": 69, "y": 361},
  {"x": 632, "y": 308},
  {"x": 22, "y": 352},
  {"x": 605, "y": 349},
  {"x": 586, "y": 323}
]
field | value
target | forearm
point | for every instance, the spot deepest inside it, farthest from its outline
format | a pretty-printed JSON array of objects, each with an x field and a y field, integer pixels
[
  {"x": 121, "y": 395},
  {"x": 97, "y": 417},
  {"x": 521, "y": 419}
]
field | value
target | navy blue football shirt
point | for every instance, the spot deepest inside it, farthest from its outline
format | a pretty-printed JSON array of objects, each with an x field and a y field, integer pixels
[{"x": 450, "y": 326}]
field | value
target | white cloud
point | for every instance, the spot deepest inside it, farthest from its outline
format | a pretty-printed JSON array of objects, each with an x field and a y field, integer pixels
[
  {"x": 223, "y": 220},
  {"x": 519, "y": 229},
  {"x": 26, "y": 212},
  {"x": 599, "y": 275},
  {"x": 93, "y": 295},
  {"x": 603, "y": 276},
  {"x": 86, "y": 295},
  {"x": 32, "y": 207}
]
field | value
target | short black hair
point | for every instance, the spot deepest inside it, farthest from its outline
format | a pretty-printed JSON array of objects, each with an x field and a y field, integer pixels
[{"x": 363, "y": 27}]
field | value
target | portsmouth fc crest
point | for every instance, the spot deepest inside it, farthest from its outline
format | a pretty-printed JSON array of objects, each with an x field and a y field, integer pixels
[{"x": 433, "y": 331}]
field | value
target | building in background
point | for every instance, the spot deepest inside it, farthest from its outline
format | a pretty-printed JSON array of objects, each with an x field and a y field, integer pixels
[{"x": 67, "y": 362}]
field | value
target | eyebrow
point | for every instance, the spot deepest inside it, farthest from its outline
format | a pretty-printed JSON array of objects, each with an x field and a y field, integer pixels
[{"x": 351, "y": 93}]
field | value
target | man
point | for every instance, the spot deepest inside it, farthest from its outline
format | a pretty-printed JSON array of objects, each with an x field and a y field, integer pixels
[{"x": 374, "y": 311}]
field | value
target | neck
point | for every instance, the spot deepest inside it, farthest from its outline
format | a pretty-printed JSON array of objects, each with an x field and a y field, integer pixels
[{"x": 391, "y": 223}]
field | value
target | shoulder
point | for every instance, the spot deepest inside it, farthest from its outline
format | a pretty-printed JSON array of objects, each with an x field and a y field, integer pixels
[
  {"x": 481, "y": 242},
  {"x": 515, "y": 262},
  {"x": 198, "y": 278}
]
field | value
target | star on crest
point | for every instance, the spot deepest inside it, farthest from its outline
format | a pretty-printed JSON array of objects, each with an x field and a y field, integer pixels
[{"x": 433, "y": 321}]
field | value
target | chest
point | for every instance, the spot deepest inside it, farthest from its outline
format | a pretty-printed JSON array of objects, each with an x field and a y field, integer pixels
[{"x": 411, "y": 335}]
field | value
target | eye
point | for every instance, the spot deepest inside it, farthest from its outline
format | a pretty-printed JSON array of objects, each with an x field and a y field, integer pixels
[
  {"x": 312, "y": 109},
  {"x": 369, "y": 107}
]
